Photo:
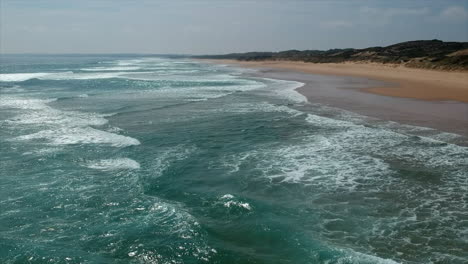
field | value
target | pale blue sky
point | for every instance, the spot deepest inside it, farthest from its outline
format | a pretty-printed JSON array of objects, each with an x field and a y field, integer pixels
[{"x": 216, "y": 26}]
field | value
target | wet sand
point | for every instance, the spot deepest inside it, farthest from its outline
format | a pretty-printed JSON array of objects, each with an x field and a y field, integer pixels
[{"x": 351, "y": 93}]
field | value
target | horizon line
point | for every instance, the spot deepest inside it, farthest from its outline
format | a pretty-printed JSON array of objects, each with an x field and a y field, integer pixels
[{"x": 203, "y": 54}]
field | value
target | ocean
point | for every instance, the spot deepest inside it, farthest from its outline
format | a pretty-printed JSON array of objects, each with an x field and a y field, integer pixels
[{"x": 138, "y": 159}]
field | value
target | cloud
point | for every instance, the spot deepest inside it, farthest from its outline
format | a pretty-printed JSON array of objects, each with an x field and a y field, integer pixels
[
  {"x": 454, "y": 13},
  {"x": 336, "y": 24}
]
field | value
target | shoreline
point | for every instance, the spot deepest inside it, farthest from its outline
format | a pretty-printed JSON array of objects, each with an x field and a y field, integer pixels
[
  {"x": 424, "y": 84},
  {"x": 355, "y": 93}
]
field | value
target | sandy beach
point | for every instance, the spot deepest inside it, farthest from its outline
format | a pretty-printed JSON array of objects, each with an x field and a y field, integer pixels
[
  {"x": 401, "y": 81},
  {"x": 427, "y": 98}
]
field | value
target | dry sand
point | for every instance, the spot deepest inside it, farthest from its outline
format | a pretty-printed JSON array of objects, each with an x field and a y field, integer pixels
[{"x": 404, "y": 82}]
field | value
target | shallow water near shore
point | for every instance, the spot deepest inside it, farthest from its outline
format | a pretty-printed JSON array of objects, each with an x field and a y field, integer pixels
[{"x": 119, "y": 159}]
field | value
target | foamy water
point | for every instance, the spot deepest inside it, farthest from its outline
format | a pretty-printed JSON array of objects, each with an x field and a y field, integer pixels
[
  {"x": 114, "y": 164},
  {"x": 156, "y": 160}
]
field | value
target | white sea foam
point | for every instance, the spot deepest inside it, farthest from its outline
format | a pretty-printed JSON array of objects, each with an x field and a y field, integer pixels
[
  {"x": 19, "y": 77},
  {"x": 259, "y": 107},
  {"x": 51, "y": 116},
  {"x": 149, "y": 75},
  {"x": 321, "y": 121},
  {"x": 287, "y": 90},
  {"x": 229, "y": 201},
  {"x": 81, "y": 76},
  {"x": 168, "y": 220},
  {"x": 57, "y": 76},
  {"x": 197, "y": 93},
  {"x": 129, "y": 62},
  {"x": 319, "y": 162},
  {"x": 229, "y": 204},
  {"x": 173, "y": 220},
  {"x": 111, "y": 69},
  {"x": 227, "y": 196},
  {"x": 353, "y": 257},
  {"x": 430, "y": 152},
  {"x": 47, "y": 114},
  {"x": 24, "y": 103},
  {"x": 340, "y": 156},
  {"x": 81, "y": 135},
  {"x": 62, "y": 127},
  {"x": 348, "y": 154},
  {"x": 114, "y": 164},
  {"x": 43, "y": 151}
]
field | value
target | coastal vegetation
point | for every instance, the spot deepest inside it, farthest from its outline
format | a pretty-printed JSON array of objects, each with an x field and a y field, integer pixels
[{"x": 429, "y": 54}]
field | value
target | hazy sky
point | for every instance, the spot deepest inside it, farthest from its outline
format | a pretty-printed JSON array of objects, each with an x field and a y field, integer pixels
[{"x": 214, "y": 26}]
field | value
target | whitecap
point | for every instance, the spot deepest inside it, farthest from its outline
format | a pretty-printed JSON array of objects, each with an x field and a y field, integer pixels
[
  {"x": 81, "y": 76},
  {"x": 47, "y": 115},
  {"x": 52, "y": 116},
  {"x": 353, "y": 257},
  {"x": 81, "y": 135},
  {"x": 20, "y": 77},
  {"x": 57, "y": 76},
  {"x": 114, "y": 164},
  {"x": 129, "y": 62},
  {"x": 229, "y": 204},
  {"x": 348, "y": 154},
  {"x": 111, "y": 69},
  {"x": 24, "y": 103},
  {"x": 259, "y": 107},
  {"x": 287, "y": 90},
  {"x": 63, "y": 127},
  {"x": 227, "y": 196}
]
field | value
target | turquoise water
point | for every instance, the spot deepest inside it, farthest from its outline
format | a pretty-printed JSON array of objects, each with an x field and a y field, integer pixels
[{"x": 119, "y": 159}]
